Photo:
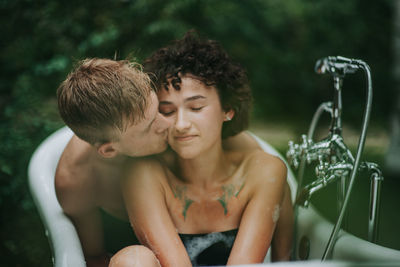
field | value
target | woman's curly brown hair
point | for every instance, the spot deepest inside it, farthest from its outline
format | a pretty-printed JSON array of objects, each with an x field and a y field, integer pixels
[{"x": 207, "y": 61}]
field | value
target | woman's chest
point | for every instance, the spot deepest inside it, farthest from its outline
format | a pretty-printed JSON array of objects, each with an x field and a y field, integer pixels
[{"x": 216, "y": 211}]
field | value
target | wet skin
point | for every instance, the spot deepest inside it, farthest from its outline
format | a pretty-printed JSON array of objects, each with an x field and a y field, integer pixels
[{"x": 203, "y": 187}]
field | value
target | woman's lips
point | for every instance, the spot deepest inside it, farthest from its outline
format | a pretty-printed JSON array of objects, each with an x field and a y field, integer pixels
[{"x": 183, "y": 138}]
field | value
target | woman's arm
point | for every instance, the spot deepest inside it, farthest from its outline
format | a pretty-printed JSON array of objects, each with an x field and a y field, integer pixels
[
  {"x": 266, "y": 178},
  {"x": 282, "y": 241},
  {"x": 283, "y": 237},
  {"x": 144, "y": 196}
]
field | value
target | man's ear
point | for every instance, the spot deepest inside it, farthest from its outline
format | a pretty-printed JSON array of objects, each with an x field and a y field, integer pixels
[
  {"x": 229, "y": 115},
  {"x": 107, "y": 150}
]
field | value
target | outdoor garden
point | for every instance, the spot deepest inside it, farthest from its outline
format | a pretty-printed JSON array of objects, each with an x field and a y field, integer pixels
[{"x": 278, "y": 43}]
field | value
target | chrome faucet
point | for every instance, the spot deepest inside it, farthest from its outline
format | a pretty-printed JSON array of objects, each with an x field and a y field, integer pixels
[{"x": 335, "y": 162}]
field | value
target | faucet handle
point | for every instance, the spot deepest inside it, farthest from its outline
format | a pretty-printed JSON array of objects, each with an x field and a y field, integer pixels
[
  {"x": 320, "y": 160},
  {"x": 293, "y": 154},
  {"x": 309, "y": 158},
  {"x": 321, "y": 168},
  {"x": 297, "y": 151},
  {"x": 305, "y": 141}
]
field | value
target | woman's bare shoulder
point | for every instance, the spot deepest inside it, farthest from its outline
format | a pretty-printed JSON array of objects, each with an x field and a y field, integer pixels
[
  {"x": 262, "y": 167},
  {"x": 241, "y": 142}
]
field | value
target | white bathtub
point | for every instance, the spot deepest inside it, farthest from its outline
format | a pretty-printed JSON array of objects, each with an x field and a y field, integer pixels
[{"x": 312, "y": 232}]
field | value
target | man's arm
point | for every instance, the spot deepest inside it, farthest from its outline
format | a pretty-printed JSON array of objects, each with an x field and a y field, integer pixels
[{"x": 77, "y": 200}]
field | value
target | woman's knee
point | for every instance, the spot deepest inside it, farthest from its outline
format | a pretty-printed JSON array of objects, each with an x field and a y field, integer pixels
[{"x": 134, "y": 256}]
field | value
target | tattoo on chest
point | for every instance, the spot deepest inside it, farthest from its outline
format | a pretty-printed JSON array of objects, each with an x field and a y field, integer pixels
[
  {"x": 180, "y": 193},
  {"x": 228, "y": 191}
]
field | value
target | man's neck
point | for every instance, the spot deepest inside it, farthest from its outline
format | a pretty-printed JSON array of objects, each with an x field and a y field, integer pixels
[{"x": 117, "y": 160}]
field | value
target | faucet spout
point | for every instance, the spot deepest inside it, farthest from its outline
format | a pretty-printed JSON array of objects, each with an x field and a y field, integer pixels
[
  {"x": 326, "y": 175},
  {"x": 303, "y": 199}
]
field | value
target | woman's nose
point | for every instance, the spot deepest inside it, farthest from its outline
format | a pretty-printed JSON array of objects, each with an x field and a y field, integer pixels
[{"x": 182, "y": 122}]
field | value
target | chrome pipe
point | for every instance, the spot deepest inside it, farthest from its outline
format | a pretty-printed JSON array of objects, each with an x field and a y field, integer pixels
[
  {"x": 336, "y": 127},
  {"x": 327, "y": 107},
  {"x": 374, "y": 205},
  {"x": 361, "y": 143},
  {"x": 341, "y": 192},
  {"x": 336, "y": 161},
  {"x": 324, "y": 107},
  {"x": 374, "y": 201}
]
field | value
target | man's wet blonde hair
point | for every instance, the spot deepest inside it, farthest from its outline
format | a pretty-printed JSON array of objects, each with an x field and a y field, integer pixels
[{"x": 101, "y": 97}]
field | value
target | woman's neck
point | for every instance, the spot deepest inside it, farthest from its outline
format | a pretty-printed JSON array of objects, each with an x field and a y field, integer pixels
[{"x": 207, "y": 169}]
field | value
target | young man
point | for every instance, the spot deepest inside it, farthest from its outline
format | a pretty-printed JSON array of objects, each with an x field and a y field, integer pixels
[{"x": 113, "y": 111}]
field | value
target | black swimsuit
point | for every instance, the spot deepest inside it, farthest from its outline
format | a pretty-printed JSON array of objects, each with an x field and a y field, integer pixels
[
  {"x": 203, "y": 249},
  {"x": 209, "y": 249}
]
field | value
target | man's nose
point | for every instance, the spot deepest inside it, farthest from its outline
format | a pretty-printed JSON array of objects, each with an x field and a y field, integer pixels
[{"x": 163, "y": 123}]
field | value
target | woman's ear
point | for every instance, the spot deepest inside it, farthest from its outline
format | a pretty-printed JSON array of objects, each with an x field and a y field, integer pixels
[
  {"x": 229, "y": 115},
  {"x": 107, "y": 150}
]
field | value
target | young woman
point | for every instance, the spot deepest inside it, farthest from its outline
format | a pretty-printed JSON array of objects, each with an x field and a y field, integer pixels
[{"x": 201, "y": 204}]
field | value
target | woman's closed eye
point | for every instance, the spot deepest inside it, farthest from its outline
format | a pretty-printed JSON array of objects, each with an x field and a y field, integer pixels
[
  {"x": 198, "y": 108},
  {"x": 166, "y": 111}
]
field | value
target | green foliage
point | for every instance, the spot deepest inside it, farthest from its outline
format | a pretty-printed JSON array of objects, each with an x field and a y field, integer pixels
[{"x": 278, "y": 42}]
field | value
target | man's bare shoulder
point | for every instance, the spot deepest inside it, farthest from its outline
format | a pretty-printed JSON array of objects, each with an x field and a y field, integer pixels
[
  {"x": 144, "y": 167},
  {"x": 152, "y": 172},
  {"x": 75, "y": 163},
  {"x": 74, "y": 178}
]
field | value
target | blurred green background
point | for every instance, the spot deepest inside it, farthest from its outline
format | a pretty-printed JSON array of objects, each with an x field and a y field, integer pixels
[{"x": 278, "y": 42}]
